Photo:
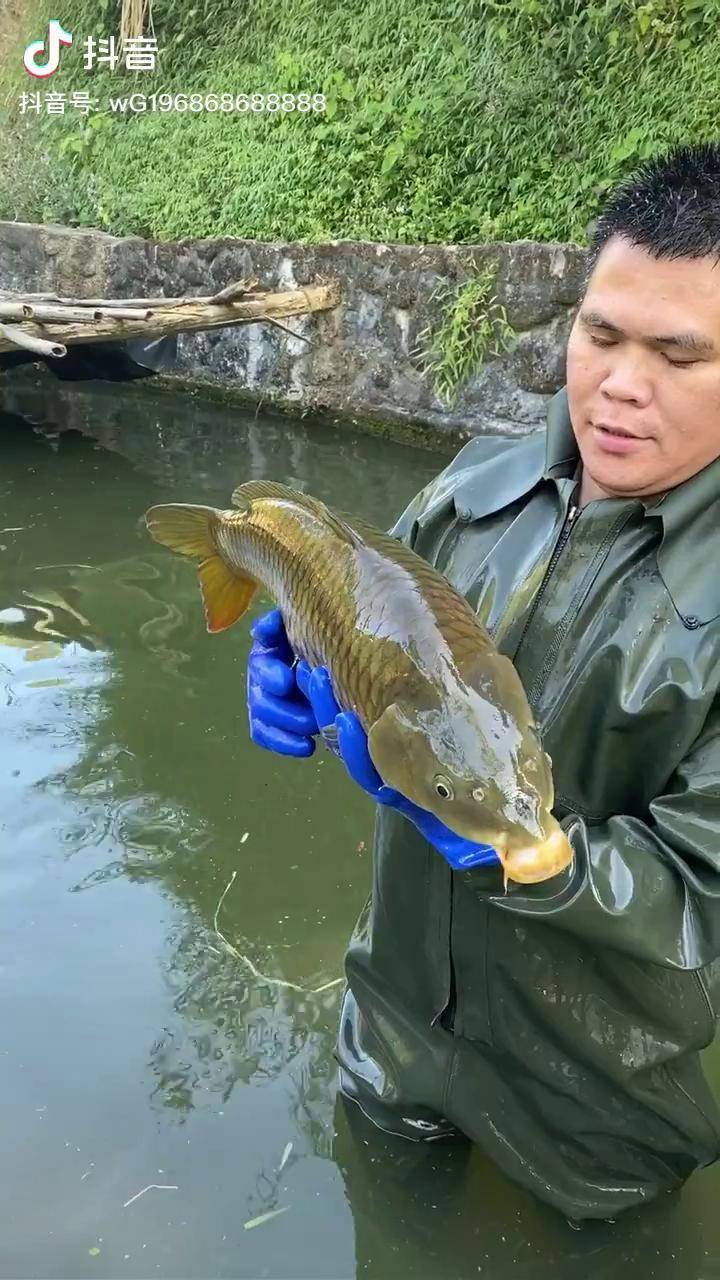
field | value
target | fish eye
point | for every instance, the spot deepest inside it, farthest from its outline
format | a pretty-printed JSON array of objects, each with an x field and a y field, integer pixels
[{"x": 443, "y": 787}]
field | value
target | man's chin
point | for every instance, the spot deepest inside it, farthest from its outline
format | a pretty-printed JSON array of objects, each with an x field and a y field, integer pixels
[{"x": 615, "y": 473}]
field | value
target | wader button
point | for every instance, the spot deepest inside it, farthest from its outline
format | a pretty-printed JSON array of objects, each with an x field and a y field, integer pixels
[
  {"x": 691, "y": 622},
  {"x": 464, "y": 513}
]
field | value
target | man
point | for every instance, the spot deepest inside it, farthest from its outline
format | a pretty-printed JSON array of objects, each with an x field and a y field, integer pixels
[{"x": 558, "y": 1025}]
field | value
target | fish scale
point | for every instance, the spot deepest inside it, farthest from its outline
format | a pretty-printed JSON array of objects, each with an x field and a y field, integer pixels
[
  {"x": 447, "y": 719},
  {"x": 306, "y": 588}
]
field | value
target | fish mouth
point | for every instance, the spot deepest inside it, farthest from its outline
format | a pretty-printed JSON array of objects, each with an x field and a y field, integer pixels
[{"x": 533, "y": 863}]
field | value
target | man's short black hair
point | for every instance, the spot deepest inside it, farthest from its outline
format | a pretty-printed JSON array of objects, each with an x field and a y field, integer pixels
[{"x": 670, "y": 207}]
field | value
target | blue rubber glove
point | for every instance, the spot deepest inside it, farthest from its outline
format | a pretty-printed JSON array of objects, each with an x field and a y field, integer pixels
[
  {"x": 287, "y": 708},
  {"x": 281, "y": 718},
  {"x": 353, "y": 749}
]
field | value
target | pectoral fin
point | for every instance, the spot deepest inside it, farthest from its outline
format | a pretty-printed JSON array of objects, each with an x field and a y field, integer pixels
[{"x": 392, "y": 742}]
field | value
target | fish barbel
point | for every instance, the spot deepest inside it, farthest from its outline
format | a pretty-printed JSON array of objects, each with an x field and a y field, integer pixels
[{"x": 447, "y": 719}]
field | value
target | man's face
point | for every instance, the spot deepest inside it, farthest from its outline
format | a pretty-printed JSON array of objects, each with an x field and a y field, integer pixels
[{"x": 643, "y": 370}]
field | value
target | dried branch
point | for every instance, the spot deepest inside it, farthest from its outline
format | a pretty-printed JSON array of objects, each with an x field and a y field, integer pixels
[{"x": 166, "y": 319}]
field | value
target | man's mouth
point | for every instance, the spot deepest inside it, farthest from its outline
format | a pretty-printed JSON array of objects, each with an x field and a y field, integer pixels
[
  {"x": 616, "y": 440},
  {"x": 615, "y": 431}
]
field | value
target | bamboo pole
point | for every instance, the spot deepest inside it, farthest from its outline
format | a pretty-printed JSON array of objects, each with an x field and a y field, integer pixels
[
  {"x": 55, "y": 313},
  {"x": 232, "y": 293},
  {"x": 174, "y": 319},
  {"x": 12, "y": 335}
]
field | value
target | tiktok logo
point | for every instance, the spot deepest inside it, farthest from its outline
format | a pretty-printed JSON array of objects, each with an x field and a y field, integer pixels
[{"x": 49, "y": 49}]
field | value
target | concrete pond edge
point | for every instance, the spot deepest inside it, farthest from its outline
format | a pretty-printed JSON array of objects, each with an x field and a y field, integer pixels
[{"x": 430, "y": 344}]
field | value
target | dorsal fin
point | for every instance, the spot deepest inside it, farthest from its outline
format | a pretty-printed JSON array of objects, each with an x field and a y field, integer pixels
[{"x": 255, "y": 490}]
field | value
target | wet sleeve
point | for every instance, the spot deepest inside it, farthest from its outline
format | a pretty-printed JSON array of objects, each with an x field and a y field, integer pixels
[{"x": 650, "y": 888}]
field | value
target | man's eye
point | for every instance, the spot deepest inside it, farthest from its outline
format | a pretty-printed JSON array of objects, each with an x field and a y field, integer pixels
[
  {"x": 601, "y": 342},
  {"x": 680, "y": 364}
]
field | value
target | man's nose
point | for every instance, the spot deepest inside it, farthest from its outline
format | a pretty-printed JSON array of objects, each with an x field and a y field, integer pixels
[{"x": 627, "y": 380}]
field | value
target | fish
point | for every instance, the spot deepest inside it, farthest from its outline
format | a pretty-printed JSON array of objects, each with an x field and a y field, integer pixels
[{"x": 447, "y": 719}]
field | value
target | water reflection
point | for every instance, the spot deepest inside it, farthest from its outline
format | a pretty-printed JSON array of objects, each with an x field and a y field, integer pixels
[
  {"x": 140, "y": 822},
  {"x": 189, "y": 445}
]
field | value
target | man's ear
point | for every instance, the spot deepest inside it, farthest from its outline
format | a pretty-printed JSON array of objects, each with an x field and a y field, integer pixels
[{"x": 392, "y": 742}]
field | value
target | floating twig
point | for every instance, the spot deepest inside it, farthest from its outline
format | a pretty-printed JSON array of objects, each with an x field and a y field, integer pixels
[
  {"x": 152, "y": 1186},
  {"x": 263, "y": 977},
  {"x": 264, "y": 1217}
]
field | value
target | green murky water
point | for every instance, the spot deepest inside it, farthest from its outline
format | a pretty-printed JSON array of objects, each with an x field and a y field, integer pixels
[{"x": 173, "y": 898}]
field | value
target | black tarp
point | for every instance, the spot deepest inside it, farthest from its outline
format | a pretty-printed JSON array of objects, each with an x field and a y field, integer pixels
[{"x": 111, "y": 361}]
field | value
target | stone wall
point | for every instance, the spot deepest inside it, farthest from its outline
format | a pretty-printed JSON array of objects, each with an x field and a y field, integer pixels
[{"x": 361, "y": 360}]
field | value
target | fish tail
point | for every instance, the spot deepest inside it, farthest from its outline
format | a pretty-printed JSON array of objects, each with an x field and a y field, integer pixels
[
  {"x": 184, "y": 528},
  {"x": 189, "y": 529}
]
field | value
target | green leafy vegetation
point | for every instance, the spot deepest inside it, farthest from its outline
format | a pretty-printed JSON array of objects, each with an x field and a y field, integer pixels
[
  {"x": 445, "y": 120},
  {"x": 473, "y": 326}
]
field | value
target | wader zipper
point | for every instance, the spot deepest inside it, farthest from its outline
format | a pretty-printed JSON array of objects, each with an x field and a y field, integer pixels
[
  {"x": 561, "y": 629},
  {"x": 446, "y": 1016},
  {"x": 564, "y": 535}
]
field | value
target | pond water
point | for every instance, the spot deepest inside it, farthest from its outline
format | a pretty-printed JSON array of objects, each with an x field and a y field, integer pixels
[{"x": 173, "y": 898}]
